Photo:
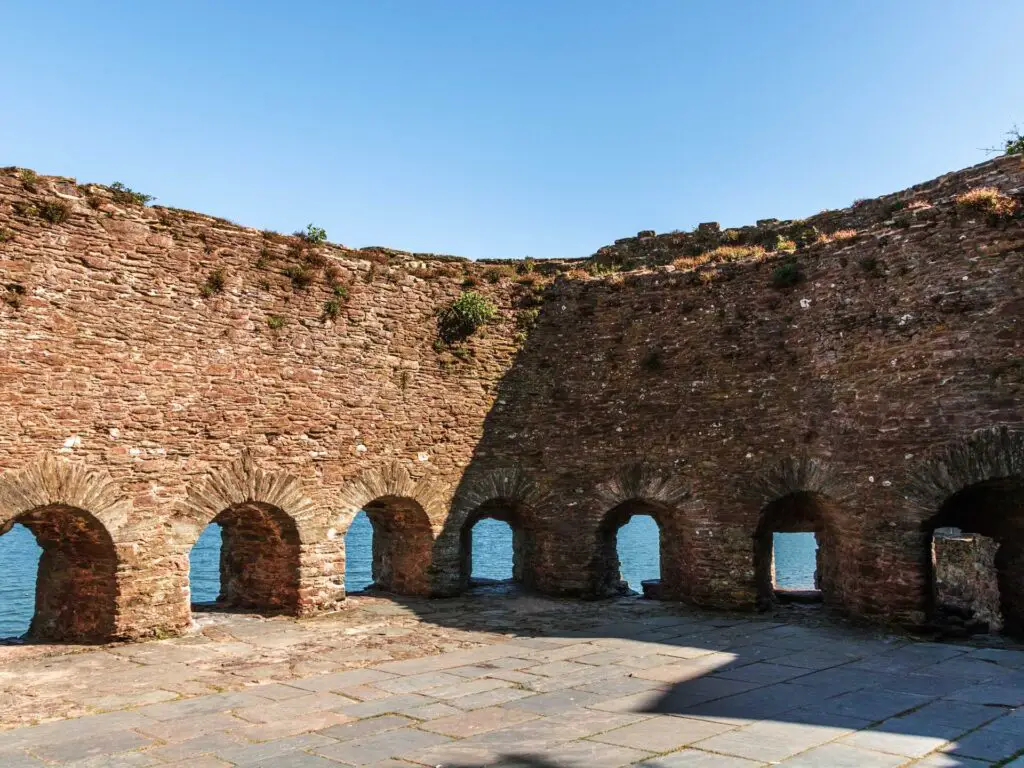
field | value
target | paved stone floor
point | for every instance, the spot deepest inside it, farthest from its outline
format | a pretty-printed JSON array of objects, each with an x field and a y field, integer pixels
[{"x": 515, "y": 681}]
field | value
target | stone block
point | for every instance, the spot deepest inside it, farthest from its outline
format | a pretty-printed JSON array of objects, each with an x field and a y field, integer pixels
[
  {"x": 662, "y": 733},
  {"x": 401, "y": 743}
]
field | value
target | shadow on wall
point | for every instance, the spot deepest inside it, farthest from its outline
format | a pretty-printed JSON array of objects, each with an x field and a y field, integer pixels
[
  {"x": 550, "y": 465},
  {"x": 582, "y": 436}
]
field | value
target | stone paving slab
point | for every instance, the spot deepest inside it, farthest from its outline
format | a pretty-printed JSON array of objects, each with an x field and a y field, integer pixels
[
  {"x": 662, "y": 733},
  {"x": 843, "y": 756},
  {"x": 692, "y": 758},
  {"x": 987, "y": 744},
  {"x": 770, "y": 741},
  {"x": 660, "y": 686}
]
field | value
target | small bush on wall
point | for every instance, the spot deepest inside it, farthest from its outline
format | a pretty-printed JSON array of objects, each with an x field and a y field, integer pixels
[
  {"x": 29, "y": 179},
  {"x": 786, "y": 275},
  {"x": 215, "y": 283},
  {"x": 1015, "y": 143},
  {"x": 129, "y": 196},
  {"x": 55, "y": 211},
  {"x": 987, "y": 201},
  {"x": 332, "y": 308},
  {"x": 463, "y": 316},
  {"x": 300, "y": 276},
  {"x": 313, "y": 234}
]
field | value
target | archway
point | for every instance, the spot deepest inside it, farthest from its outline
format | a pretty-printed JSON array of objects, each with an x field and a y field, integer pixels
[
  {"x": 978, "y": 579},
  {"x": 402, "y": 543},
  {"x": 795, "y": 550},
  {"x": 646, "y": 556},
  {"x": 76, "y": 580},
  {"x": 258, "y": 558},
  {"x": 508, "y": 544}
]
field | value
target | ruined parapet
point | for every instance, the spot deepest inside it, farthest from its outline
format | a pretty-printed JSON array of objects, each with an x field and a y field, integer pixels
[{"x": 896, "y": 212}]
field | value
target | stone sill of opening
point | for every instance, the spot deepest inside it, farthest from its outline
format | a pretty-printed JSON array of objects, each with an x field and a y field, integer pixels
[{"x": 798, "y": 595}]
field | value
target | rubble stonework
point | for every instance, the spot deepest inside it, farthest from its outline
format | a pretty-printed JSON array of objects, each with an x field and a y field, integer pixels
[
  {"x": 966, "y": 581},
  {"x": 163, "y": 369}
]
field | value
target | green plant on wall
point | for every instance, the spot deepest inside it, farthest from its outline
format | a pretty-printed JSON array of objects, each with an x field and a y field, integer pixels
[
  {"x": 55, "y": 211},
  {"x": 29, "y": 179},
  {"x": 786, "y": 275},
  {"x": 1015, "y": 143},
  {"x": 459, "y": 319},
  {"x": 299, "y": 275},
  {"x": 215, "y": 283},
  {"x": 314, "y": 235},
  {"x": 332, "y": 308},
  {"x": 652, "y": 359},
  {"x": 123, "y": 194}
]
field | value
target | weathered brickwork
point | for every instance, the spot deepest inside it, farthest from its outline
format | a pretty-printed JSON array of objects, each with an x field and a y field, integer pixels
[
  {"x": 966, "y": 580},
  {"x": 163, "y": 370}
]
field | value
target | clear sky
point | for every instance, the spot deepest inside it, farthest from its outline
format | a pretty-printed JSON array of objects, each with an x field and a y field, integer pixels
[{"x": 505, "y": 128}]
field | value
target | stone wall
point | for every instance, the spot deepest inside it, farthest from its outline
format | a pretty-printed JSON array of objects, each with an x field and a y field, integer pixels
[
  {"x": 140, "y": 343},
  {"x": 966, "y": 582},
  {"x": 164, "y": 369}
]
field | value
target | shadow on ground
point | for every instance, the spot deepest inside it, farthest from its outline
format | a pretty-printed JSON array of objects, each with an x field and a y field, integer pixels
[
  {"x": 512, "y": 679},
  {"x": 801, "y": 687}
]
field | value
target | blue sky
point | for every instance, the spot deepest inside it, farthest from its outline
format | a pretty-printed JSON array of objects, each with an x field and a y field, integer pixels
[{"x": 503, "y": 129}]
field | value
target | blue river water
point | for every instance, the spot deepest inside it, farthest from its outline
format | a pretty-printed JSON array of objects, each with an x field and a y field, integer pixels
[
  {"x": 795, "y": 560},
  {"x": 492, "y": 559}
]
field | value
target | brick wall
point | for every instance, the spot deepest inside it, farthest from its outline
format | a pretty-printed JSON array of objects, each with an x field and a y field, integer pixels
[{"x": 162, "y": 368}]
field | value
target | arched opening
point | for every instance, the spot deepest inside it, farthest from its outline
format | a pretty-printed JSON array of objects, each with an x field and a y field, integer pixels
[
  {"x": 256, "y": 550},
  {"x": 632, "y": 550},
  {"x": 495, "y": 545},
  {"x": 76, "y": 576},
  {"x": 400, "y": 548},
  {"x": 795, "y": 552},
  {"x": 976, "y": 558}
]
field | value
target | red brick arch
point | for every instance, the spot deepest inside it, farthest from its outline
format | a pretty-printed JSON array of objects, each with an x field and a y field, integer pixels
[
  {"x": 641, "y": 489},
  {"x": 976, "y": 484},
  {"x": 801, "y": 494},
  {"x": 508, "y": 494},
  {"x": 77, "y": 515},
  {"x": 405, "y": 514},
  {"x": 269, "y": 527}
]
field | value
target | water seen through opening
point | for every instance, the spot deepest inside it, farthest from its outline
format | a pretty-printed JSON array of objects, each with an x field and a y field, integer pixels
[{"x": 637, "y": 541}]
